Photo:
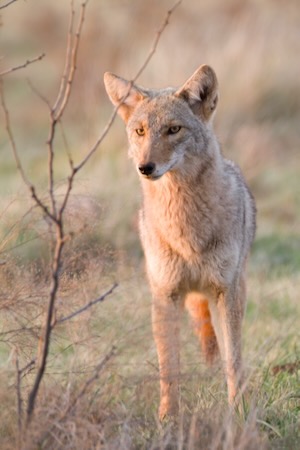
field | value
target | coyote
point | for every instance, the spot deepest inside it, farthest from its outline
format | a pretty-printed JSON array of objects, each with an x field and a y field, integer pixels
[{"x": 197, "y": 222}]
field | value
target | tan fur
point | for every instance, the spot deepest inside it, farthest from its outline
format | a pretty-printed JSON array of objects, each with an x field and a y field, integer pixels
[
  {"x": 198, "y": 307},
  {"x": 196, "y": 225}
]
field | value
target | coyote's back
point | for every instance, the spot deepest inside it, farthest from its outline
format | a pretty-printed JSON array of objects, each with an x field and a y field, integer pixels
[{"x": 196, "y": 225}]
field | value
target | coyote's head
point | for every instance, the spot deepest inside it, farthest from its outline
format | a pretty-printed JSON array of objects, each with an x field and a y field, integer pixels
[{"x": 167, "y": 127}]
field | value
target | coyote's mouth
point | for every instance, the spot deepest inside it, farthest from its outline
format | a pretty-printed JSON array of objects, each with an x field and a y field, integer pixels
[{"x": 153, "y": 177}]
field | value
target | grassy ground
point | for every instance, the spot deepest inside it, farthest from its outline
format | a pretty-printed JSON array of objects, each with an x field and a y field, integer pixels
[{"x": 252, "y": 46}]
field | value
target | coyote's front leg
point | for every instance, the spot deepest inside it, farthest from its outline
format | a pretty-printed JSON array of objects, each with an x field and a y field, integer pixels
[{"x": 165, "y": 323}]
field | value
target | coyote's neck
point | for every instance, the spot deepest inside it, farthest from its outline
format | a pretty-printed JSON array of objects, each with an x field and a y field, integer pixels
[
  {"x": 194, "y": 186},
  {"x": 179, "y": 208}
]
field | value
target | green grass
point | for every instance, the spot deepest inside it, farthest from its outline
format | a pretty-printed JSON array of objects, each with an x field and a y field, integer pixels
[
  {"x": 277, "y": 254},
  {"x": 123, "y": 401}
]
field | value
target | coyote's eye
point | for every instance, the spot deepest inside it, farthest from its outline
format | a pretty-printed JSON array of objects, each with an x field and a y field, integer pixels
[
  {"x": 140, "y": 131},
  {"x": 174, "y": 130}
]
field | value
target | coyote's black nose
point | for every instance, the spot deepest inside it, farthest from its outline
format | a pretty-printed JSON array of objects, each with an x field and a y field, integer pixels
[{"x": 147, "y": 169}]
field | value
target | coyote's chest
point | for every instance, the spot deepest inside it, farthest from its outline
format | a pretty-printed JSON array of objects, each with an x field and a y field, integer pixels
[
  {"x": 181, "y": 241},
  {"x": 181, "y": 234},
  {"x": 183, "y": 223},
  {"x": 172, "y": 233}
]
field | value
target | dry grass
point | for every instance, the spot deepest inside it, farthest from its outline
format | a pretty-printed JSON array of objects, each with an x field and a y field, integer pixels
[{"x": 252, "y": 45}]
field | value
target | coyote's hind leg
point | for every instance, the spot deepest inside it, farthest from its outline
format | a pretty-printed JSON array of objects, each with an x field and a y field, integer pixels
[{"x": 198, "y": 308}]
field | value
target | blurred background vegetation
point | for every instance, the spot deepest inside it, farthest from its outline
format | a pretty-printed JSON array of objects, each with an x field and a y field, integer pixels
[{"x": 254, "y": 47}]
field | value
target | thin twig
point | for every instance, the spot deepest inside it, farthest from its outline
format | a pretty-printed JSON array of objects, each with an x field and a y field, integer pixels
[
  {"x": 156, "y": 40},
  {"x": 139, "y": 72},
  {"x": 17, "y": 331},
  {"x": 27, "y": 367},
  {"x": 91, "y": 380},
  {"x": 19, "y": 401},
  {"x": 41, "y": 204},
  {"x": 57, "y": 216},
  {"x": 67, "y": 59},
  {"x": 53, "y": 109},
  {"x": 82, "y": 392},
  {"x": 68, "y": 191},
  {"x": 99, "y": 140},
  {"x": 19, "y": 373},
  {"x": 63, "y": 100},
  {"x": 70, "y": 178},
  {"x": 88, "y": 305},
  {"x": 11, "y": 136},
  {"x": 21, "y": 66},
  {"x": 30, "y": 186},
  {"x": 8, "y": 3},
  {"x": 38, "y": 93},
  {"x": 66, "y": 144},
  {"x": 50, "y": 142}
]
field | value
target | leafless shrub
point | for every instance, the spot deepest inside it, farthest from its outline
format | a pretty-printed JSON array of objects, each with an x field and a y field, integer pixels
[{"x": 32, "y": 324}]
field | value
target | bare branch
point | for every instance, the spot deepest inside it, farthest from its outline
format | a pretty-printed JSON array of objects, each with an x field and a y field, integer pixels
[
  {"x": 45, "y": 339},
  {"x": 26, "y": 368},
  {"x": 19, "y": 401},
  {"x": 156, "y": 40},
  {"x": 70, "y": 178},
  {"x": 100, "y": 139},
  {"x": 68, "y": 191},
  {"x": 30, "y": 186},
  {"x": 17, "y": 331},
  {"x": 66, "y": 144},
  {"x": 19, "y": 374},
  {"x": 84, "y": 389},
  {"x": 22, "y": 66},
  {"x": 139, "y": 72},
  {"x": 56, "y": 216},
  {"x": 41, "y": 204},
  {"x": 55, "y": 115},
  {"x": 8, "y": 3},
  {"x": 88, "y": 305},
  {"x": 38, "y": 93},
  {"x": 67, "y": 59},
  {"x": 56, "y": 105},
  {"x": 91, "y": 380},
  {"x": 11, "y": 136},
  {"x": 64, "y": 95},
  {"x": 50, "y": 142}
]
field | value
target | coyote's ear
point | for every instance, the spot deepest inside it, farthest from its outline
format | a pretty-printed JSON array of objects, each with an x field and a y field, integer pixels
[
  {"x": 122, "y": 92},
  {"x": 201, "y": 92}
]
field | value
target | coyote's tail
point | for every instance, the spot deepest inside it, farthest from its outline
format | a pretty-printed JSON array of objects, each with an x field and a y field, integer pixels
[{"x": 199, "y": 310}]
